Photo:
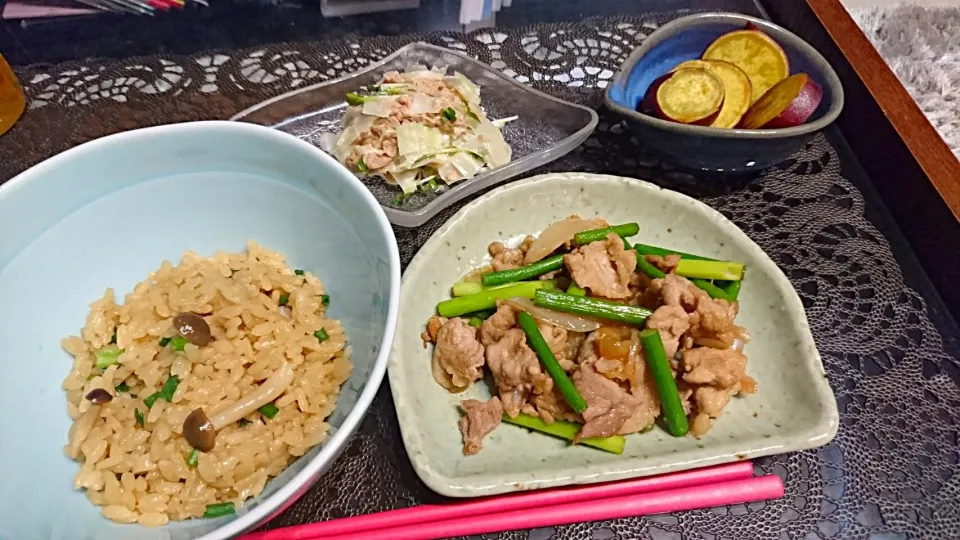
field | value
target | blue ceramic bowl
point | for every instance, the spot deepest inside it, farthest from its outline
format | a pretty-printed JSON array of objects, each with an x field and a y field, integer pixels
[
  {"x": 107, "y": 213},
  {"x": 701, "y": 148}
]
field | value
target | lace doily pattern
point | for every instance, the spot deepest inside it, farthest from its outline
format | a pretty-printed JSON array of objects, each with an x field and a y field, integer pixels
[{"x": 892, "y": 471}]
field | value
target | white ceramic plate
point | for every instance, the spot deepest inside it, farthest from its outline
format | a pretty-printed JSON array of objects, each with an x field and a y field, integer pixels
[{"x": 793, "y": 410}]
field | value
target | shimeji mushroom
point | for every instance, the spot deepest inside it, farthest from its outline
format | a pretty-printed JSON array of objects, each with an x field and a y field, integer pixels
[
  {"x": 193, "y": 328},
  {"x": 201, "y": 431}
]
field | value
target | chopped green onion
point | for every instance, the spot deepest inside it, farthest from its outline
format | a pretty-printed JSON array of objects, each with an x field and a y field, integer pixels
[
  {"x": 164, "y": 341},
  {"x": 219, "y": 510},
  {"x": 284, "y": 298},
  {"x": 575, "y": 290},
  {"x": 711, "y": 289},
  {"x": 670, "y": 403},
  {"x": 354, "y": 99},
  {"x": 122, "y": 388},
  {"x": 549, "y": 361},
  {"x": 243, "y": 422},
  {"x": 325, "y": 299},
  {"x": 429, "y": 185},
  {"x": 449, "y": 114},
  {"x": 592, "y": 307},
  {"x": 466, "y": 288},
  {"x": 729, "y": 271},
  {"x": 487, "y": 299},
  {"x": 193, "y": 458},
  {"x": 170, "y": 387},
  {"x": 108, "y": 356},
  {"x": 475, "y": 322},
  {"x": 321, "y": 335},
  {"x": 166, "y": 392},
  {"x": 567, "y": 430},
  {"x": 152, "y": 398},
  {"x": 595, "y": 235},
  {"x": 484, "y": 314},
  {"x": 644, "y": 249},
  {"x": 269, "y": 410},
  {"x": 733, "y": 290},
  {"x": 361, "y": 166},
  {"x": 653, "y": 272},
  {"x": 139, "y": 416},
  {"x": 298, "y": 272},
  {"x": 401, "y": 198},
  {"x": 178, "y": 343},
  {"x": 648, "y": 268},
  {"x": 524, "y": 272}
]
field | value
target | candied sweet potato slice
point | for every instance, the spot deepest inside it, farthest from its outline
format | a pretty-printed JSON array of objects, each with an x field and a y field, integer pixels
[
  {"x": 757, "y": 54},
  {"x": 688, "y": 96},
  {"x": 789, "y": 103},
  {"x": 737, "y": 94}
]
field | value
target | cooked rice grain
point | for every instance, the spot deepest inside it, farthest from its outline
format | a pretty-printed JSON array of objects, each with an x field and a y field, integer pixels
[{"x": 140, "y": 474}]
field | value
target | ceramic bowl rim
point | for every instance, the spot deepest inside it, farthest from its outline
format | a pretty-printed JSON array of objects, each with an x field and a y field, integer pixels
[
  {"x": 831, "y": 84},
  {"x": 288, "y": 493}
]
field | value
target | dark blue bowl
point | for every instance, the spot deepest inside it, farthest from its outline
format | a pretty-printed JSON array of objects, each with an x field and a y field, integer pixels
[{"x": 701, "y": 148}]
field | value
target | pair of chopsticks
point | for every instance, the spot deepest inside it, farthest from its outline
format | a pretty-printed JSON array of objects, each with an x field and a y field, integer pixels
[
  {"x": 139, "y": 7},
  {"x": 689, "y": 490}
]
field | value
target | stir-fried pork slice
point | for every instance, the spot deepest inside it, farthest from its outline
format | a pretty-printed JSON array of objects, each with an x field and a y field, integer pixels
[
  {"x": 709, "y": 315},
  {"x": 552, "y": 406},
  {"x": 481, "y": 418},
  {"x": 715, "y": 367},
  {"x": 574, "y": 344},
  {"x": 604, "y": 267},
  {"x": 457, "y": 356},
  {"x": 433, "y": 329},
  {"x": 666, "y": 264},
  {"x": 715, "y": 376},
  {"x": 556, "y": 339},
  {"x": 496, "y": 325},
  {"x": 678, "y": 291},
  {"x": 608, "y": 405},
  {"x": 716, "y": 316},
  {"x": 644, "y": 390},
  {"x": 516, "y": 370},
  {"x": 671, "y": 322},
  {"x": 505, "y": 258}
]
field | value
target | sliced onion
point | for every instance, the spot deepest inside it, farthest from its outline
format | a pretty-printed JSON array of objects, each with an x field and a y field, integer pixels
[
  {"x": 556, "y": 235},
  {"x": 568, "y": 321},
  {"x": 381, "y": 107},
  {"x": 422, "y": 104}
]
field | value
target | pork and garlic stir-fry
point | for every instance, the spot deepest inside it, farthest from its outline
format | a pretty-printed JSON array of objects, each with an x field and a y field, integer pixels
[
  {"x": 590, "y": 339},
  {"x": 420, "y": 130}
]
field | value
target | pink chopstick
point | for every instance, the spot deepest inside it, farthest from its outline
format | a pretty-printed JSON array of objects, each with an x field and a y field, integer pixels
[
  {"x": 689, "y": 498},
  {"x": 507, "y": 503}
]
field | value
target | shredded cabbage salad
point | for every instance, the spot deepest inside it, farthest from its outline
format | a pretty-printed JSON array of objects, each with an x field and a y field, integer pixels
[{"x": 420, "y": 129}]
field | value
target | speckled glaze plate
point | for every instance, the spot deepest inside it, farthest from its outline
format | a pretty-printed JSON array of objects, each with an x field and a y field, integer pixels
[{"x": 794, "y": 408}]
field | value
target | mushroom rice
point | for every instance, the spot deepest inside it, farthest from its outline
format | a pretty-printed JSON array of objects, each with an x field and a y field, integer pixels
[{"x": 209, "y": 379}]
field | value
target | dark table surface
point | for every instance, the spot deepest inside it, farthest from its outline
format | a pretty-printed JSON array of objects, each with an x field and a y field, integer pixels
[{"x": 889, "y": 345}]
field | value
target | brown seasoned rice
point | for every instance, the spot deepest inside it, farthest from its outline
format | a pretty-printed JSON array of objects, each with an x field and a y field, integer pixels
[{"x": 140, "y": 474}]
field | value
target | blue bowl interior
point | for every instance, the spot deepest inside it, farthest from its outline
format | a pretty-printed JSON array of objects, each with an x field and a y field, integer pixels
[
  {"x": 689, "y": 44},
  {"x": 108, "y": 215}
]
